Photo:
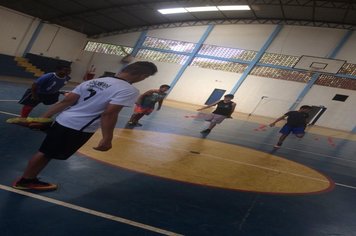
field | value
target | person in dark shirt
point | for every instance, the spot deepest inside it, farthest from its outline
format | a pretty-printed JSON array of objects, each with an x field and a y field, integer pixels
[
  {"x": 296, "y": 123},
  {"x": 145, "y": 104},
  {"x": 223, "y": 110},
  {"x": 45, "y": 89}
]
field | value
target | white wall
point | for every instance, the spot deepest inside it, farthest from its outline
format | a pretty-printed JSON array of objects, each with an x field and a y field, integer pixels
[
  {"x": 250, "y": 37},
  {"x": 188, "y": 34},
  {"x": 16, "y": 29},
  {"x": 280, "y": 94},
  {"x": 81, "y": 66},
  {"x": 339, "y": 115},
  {"x": 52, "y": 41},
  {"x": 301, "y": 40},
  {"x": 128, "y": 39},
  {"x": 165, "y": 75},
  {"x": 197, "y": 84},
  {"x": 348, "y": 51},
  {"x": 58, "y": 42}
]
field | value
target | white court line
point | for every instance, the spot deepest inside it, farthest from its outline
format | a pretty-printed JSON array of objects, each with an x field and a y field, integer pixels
[
  {"x": 9, "y": 100},
  {"x": 89, "y": 211},
  {"x": 8, "y": 113},
  {"x": 345, "y": 185}
]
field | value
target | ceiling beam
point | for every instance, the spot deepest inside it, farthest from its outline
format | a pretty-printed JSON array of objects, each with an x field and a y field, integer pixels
[
  {"x": 115, "y": 6},
  {"x": 282, "y": 9},
  {"x": 230, "y": 21},
  {"x": 347, "y": 11}
]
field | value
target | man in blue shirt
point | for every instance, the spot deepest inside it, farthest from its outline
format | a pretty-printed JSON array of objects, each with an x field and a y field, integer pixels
[
  {"x": 45, "y": 90},
  {"x": 296, "y": 123}
]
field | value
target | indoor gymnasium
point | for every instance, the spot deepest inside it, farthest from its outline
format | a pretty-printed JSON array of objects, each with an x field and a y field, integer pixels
[{"x": 187, "y": 117}]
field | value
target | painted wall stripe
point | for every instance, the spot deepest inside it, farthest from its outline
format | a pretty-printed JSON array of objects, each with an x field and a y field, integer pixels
[
  {"x": 192, "y": 55},
  {"x": 33, "y": 39},
  {"x": 139, "y": 43},
  {"x": 354, "y": 130},
  {"x": 340, "y": 44},
  {"x": 257, "y": 58}
]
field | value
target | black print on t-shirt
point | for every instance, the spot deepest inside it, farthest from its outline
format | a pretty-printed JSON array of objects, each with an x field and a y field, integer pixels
[
  {"x": 92, "y": 93},
  {"x": 99, "y": 85}
]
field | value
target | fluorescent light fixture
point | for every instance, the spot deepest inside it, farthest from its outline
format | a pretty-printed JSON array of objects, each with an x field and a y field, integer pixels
[
  {"x": 200, "y": 9},
  {"x": 172, "y": 10},
  {"x": 234, "y": 8},
  {"x": 205, "y": 8}
]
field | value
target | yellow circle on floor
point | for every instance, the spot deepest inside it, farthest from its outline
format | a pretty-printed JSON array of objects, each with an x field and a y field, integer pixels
[{"x": 206, "y": 162}]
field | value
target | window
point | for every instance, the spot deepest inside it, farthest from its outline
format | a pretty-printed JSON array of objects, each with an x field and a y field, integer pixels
[
  {"x": 218, "y": 65},
  {"x": 174, "y": 45},
  {"x": 275, "y": 73},
  {"x": 279, "y": 59},
  {"x": 231, "y": 53},
  {"x": 348, "y": 69},
  {"x": 162, "y": 56},
  {"x": 336, "y": 82},
  {"x": 107, "y": 48}
]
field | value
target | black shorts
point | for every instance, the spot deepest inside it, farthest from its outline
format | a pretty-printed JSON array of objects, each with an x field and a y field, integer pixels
[
  {"x": 47, "y": 99},
  {"x": 62, "y": 142}
]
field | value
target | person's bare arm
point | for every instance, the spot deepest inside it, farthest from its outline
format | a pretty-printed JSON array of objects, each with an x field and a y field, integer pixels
[
  {"x": 160, "y": 102},
  {"x": 277, "y": 120},
  {"x": 232, "y": 109},
  {"x": 205, "y": 107},
  {"x": 68, "y": 101},
  {"x": 108, "y": 122}
]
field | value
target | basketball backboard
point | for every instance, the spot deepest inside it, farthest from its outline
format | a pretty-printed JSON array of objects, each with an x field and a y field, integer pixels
[{"x": 319, "y": 64}]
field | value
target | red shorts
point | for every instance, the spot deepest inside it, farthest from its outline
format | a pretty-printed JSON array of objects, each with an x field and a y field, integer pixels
[{"x": 144, "y": 110}]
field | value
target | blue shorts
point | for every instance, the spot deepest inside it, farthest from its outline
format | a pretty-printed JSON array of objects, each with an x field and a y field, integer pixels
[
  {"x": 286, "y": 129},
  {"x": 47, "y": 99}
]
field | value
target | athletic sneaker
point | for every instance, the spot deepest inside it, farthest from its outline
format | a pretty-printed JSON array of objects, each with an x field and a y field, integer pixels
[
  {"x": 206, "y": 131},
  {"x": 33, "y": 184},
  {"x": 278, "y": 145},
  {"x": 134, "y": 124}
]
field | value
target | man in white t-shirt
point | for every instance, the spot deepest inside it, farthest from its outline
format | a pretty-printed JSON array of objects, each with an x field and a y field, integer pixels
[{"x": 92, "y": 104}]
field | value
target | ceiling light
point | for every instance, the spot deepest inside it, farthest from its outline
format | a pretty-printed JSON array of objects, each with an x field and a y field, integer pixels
[
  {"x": 203, "y": 9},
  {"x": 234, "y": 8},
  {"x": 199, "y": 9},
  {"x": 172, "y": 10}
]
